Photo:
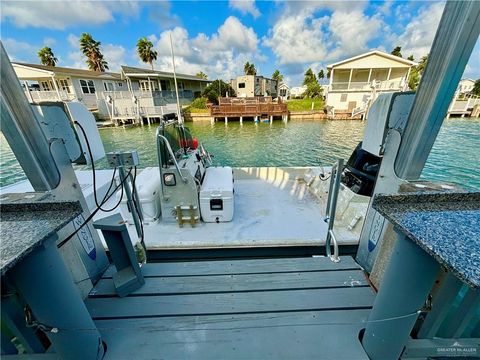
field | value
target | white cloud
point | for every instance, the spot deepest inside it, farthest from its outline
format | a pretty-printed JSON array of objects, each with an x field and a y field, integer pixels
[
  {"x": 114, "y": 55},
  {"x": 417, "y": 37},
  {"x": 21, "y": 51},
  {"x": 73, "y": 40},
  {"x": 49, "y": 41},
  {"x": 299, "y": 36},
  {"x": 245, "y": 7},
  {"x": 62, "y": 14},
  {"x": 221, "y": 54}
]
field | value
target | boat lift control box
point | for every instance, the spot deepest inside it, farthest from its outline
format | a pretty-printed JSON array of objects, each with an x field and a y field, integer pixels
[
  {"x": 148, "y": 190},
  {"x": 217, "y": 195}
]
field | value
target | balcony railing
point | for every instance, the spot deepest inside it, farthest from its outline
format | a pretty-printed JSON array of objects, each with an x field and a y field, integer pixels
[
  {"x": 366, "y": 86},
  {"x": 41, "y": 96},
  {"x": 140, "y": 94}
]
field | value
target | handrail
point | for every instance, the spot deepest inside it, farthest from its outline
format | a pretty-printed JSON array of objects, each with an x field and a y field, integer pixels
[
  {"x": 172, "y": 155},
  {"x": 335, "y": 179}
]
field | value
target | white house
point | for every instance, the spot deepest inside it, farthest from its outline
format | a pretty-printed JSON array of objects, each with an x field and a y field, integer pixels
[
  {"x": 283, "y": 91},
  {"x": 297, "y": 91},
  {"x": 465, "y": 86},
  {"x": 60, "y": 83},
  {"x": 356, "y": 81},
  {"x": 132, "y": 94}
]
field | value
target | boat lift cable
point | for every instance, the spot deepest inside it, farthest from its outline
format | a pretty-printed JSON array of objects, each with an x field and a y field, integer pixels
[
  {"x": 99, "y": 205},
  {"x": 96, "y": 210},
  {"x": 142, "y": 236}
]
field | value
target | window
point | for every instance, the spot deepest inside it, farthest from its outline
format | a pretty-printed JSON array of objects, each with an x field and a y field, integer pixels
[
  {"x": 181, "y": 86},
  {"x": 144, "y": 85},
  {"x": 241, "y": 85},
  {"x": 64, "y": 85},
  {"x": 108, "y": 86},
  {"x": 119, "y": 84},
  {"x": 165, "y": 84},
  {"x": 343, "y": 98},
  {"x": 88, "y": 87},
  {"x": 45, "y": 86}
]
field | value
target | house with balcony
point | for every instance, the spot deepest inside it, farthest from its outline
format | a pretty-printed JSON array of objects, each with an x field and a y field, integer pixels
[
  {"x": 131, "y": 95},
  {"x": 148, "y": 93},
  {"x": 357, "y": 81},
  {"x": 253, "y": 85},
  {"x": 53, "y": 83}
]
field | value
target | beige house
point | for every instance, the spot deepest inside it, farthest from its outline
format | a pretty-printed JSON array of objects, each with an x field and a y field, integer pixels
[
  {"x": 53, "y": 83},
  {"x": 356, "y": 81},
  {"x": 283, "y": 91},
  {"x": 465, "y": 86},
  {"x": 253, "y": 85},
  {"x": 133, "y": 94}
]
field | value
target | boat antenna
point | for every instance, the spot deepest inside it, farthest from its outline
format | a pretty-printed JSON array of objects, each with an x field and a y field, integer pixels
[{"x": 179, "y": 114}]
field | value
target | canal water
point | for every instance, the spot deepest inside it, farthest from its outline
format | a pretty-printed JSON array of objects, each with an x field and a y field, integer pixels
[{"x": 455, "y": 156}]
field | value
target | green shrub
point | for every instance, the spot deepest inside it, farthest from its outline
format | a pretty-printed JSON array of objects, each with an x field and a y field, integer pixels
[{"x": 199, "y": 103}]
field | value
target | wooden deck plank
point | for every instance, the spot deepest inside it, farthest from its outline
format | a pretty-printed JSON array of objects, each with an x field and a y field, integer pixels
[
  {"x": 241, "y": 282},
  {"x": 256, "y": 266},
  {"x": 230, "y": 303},
  {"x": 307, "y": 335}
]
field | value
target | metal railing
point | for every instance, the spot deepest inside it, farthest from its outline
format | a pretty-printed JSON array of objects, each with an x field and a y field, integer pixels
[
  {"x": 379, "y": 85},
  {"x": 40, "y": 96},
  {"x": 335, "y": 178}
]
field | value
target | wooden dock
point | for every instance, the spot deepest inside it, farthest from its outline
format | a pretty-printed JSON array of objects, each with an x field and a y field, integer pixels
[
  {"x": 277, "y": 308},
  {"x": 256, "y": 108}
]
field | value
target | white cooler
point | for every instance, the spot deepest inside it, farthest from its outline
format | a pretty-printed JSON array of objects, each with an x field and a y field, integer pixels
[
  {"x": 148, "y": 190},
  {"x": 216, "y": 195}
]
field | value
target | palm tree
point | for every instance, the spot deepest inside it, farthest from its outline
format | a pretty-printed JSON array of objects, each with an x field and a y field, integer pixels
[
  {"x": 249, "y": 69},
  {"x": 91, "y": 49},
  {"x": 145, "y": 51},
  {"x": 46, "y": 56},
  {"x": 309, "y": 77},
  {"x": 202, "y": 75},
  {"x": 321, "y": 74},
  {"x": 397, "y": 51},
  {"x": 277, "y": 76}
]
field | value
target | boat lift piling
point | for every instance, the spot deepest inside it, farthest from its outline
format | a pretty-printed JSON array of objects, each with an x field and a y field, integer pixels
[{"x": 456, "y": 36}]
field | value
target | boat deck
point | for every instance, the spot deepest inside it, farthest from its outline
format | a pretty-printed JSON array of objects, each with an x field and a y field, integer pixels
[{"x": 230, "y": 309}]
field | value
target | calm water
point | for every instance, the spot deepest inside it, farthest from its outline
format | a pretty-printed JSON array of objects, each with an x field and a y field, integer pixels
[{"x": 455, "y": 156}]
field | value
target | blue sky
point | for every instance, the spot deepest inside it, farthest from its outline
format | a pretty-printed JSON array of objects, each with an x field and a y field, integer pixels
[{"x": 218, "y": 37}]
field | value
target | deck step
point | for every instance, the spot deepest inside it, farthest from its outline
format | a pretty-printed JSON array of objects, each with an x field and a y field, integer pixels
[{"x": 256, "y": 266}]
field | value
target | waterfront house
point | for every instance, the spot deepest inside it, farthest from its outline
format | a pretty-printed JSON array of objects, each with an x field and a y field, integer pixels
[
  {"x": 54, "y": 83},
  {"x": 465, "y": 86},
  {"x": 283, "y": 91},
  {"x": 297, "y": 91},
  {"x": 355, "y": 82},
  {"x": 131, "y": 95},
  {"x": 253, "y": 85}
]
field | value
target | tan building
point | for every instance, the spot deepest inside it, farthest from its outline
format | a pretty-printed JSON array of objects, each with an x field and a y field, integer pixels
[
  {"x": 253, "y": 85},
  {"x": 356, "y": 81},
  {"x": 132, "y": 94},
  {"x": 465, "y": 86},
  {"x": 53, "y": 83}
]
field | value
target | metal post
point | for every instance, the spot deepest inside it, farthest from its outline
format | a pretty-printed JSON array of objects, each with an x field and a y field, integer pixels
[
  {"x": 335, "y": 179},
  {"x": 456, "y": 36},
  {"x": 44, "y": 282},
  {"x": 179, "y": 115},
  {"x": 128, "y": 193},
  {"x": 25, "y": 136},
  {"x": 407, "y": 282}
]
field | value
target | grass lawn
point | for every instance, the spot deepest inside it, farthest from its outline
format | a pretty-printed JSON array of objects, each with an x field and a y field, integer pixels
[{"x": 305, "y": 104}]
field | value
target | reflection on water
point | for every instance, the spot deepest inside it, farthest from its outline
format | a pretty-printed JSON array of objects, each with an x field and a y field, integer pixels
[{"x": 455, "y": 156}]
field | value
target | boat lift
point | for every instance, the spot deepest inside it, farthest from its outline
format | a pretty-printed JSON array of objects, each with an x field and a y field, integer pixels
[{"x": 298, "y": 307}]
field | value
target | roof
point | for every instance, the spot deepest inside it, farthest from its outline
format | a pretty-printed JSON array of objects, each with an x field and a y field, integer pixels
[
  {"x": 69, "y": 71},
  {"x": 374, "y": 52},
  {"x": 139, "y": 72}
]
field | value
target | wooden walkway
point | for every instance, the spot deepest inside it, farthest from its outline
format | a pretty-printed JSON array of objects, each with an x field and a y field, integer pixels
[
  {"x": 256, "y": 107},
  {"x": 283, "y": 308}
]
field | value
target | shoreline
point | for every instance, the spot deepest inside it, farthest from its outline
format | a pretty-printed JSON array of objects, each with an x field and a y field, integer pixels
[{"x": 292, "y": 116}]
